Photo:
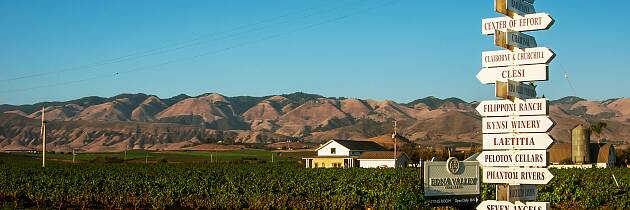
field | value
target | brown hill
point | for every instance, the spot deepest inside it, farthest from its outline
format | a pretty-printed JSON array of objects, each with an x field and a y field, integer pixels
[
  {"x": 213, "y": 110},
  {"x": 66, "y": 112},
  {"x": 454, "y": 125},
  {"x": 147, "y": 110},
  {"x": 317, "y": 115},
  {"x": 386, "y": 141},
  {"x": 265, "y": 110},
  {"x": 109, "y": 111},
  {"x": 147, "y": 122},
  {"x": 356, "y": 108}
]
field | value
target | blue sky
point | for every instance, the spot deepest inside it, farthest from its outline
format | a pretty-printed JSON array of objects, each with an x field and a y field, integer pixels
[{"x": 381, "y": 49}]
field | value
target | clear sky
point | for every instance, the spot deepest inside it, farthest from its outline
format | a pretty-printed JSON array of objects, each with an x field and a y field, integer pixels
[{"x": 381, "y": 49}]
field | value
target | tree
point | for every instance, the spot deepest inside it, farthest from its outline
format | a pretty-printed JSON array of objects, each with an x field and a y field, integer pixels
[{"x": 597, "y": 129}]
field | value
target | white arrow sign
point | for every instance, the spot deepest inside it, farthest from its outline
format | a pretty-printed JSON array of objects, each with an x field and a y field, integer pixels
[
  {"x": 527, "y": 158},
  {"x": 510, "y": 40},
  {"x": 505, "y": 141},
  {"x": 538, "y": 55},
  {"x": 506, "y": 205},
  {"x": 510, "y": 7},
  {"x": 513, "y": 89},
  {"x": 532, "y": 22},
  {"x": 516, "y": 124},
  {"x": 525, "y": 73},
  {"x": 500, "y": 108},
  {"x": 510, "y": 175}
]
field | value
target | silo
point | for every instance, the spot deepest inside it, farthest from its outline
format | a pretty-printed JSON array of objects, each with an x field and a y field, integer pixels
[{"x": 580, "y": 141}]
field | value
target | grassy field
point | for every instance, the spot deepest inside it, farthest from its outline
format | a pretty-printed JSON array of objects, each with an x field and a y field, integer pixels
[{"x": 176, "y": 156}]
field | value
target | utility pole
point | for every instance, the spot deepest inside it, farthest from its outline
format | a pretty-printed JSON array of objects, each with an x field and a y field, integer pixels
[
  {"x": 74, "y": 154},
  {"x": 43, "y": 138},
  {"x": 394, "y": 137}
]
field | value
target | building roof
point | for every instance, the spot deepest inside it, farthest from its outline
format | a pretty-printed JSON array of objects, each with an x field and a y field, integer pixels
[
  {"x": 354, "y": 145},
  {"x": 381, "y": 155},
  {"x": 602, "y": 150}
]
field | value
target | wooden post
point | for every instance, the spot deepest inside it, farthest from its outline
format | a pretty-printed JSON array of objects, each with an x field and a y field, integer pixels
[{"x": 43, "y": 138}]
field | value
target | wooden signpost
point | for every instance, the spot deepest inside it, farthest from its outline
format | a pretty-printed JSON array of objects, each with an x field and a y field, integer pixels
[{"x": 514, "y": 130}]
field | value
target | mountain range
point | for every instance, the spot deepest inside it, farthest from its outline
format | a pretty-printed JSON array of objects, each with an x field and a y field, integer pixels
[{"x": 141, "y": 121}]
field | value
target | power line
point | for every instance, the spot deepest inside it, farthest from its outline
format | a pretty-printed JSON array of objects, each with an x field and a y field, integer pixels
[
  {"x": 188, "y": 43},
  {"x": 152, "y": 67}
]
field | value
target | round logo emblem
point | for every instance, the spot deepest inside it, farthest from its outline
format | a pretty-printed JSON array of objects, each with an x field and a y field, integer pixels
[{"x": 452, "y": 165}]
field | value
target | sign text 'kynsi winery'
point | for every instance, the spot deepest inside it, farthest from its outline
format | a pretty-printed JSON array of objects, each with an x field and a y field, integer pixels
[{"x": 516, "y": 124}]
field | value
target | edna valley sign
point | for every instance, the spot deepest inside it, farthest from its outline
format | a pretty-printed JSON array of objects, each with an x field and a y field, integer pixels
[{"x": 451, "y": 177}]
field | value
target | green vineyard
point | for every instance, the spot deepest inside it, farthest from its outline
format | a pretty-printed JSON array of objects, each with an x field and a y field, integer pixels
[{"x": 265, "y": 186}]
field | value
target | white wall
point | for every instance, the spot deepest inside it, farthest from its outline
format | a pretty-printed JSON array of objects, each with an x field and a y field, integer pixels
[
  {"x": 374, "y": 163},
  {"x": 341, "y": 151},
  {"x": 597, "y": 165}
]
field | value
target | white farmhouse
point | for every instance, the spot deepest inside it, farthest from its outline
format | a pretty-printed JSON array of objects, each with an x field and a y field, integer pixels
[{"x": 348, "y": 153}]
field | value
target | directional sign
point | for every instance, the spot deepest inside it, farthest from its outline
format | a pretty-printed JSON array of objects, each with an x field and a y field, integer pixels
[
  {"x": 516, "y": 124},
  {"x": 510, "y": 175},
  {"x": 527, "y": 158},
  {"x": 532, "y": 22},
  {"x": 513, "y": 89},
  {"x": 511, "y": 7},
  {"x": 508, "y": 141},
  {"x": 500, "y": 108},
  {"x": 511, "y": 40},
  {"x": 506, "y": 205},
  {"x": 538, "y": 55},
  {"x": 524, "y": 192},
  {"x": 539, "y": 72}
]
